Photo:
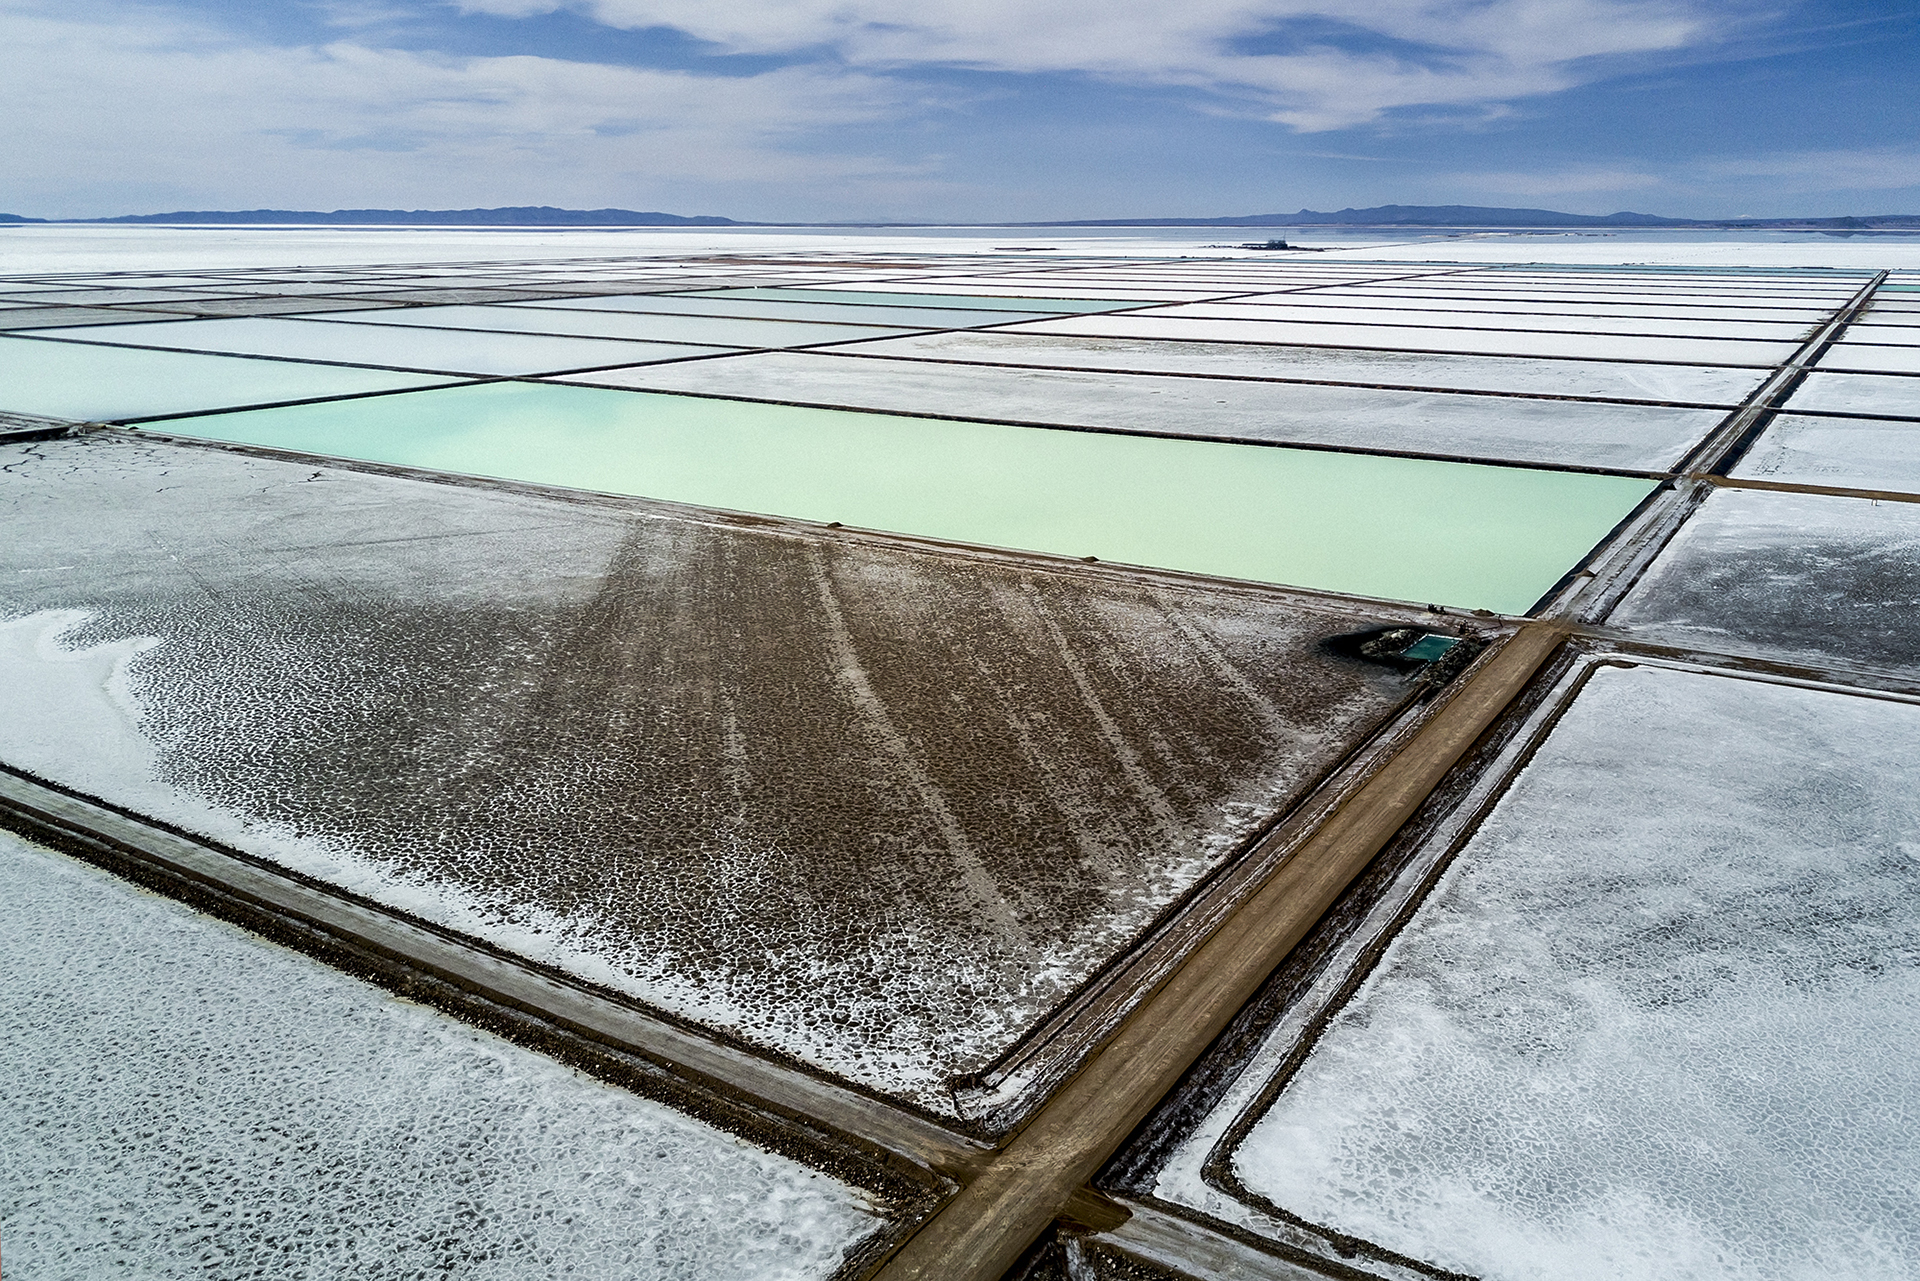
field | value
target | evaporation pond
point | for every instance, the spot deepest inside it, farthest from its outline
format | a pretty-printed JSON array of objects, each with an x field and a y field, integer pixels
[
  {"x": 889, "y": 298},
  {"x": 1461, "y": 534}
]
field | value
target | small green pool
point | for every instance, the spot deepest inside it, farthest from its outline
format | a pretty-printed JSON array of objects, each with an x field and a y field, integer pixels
[{"x": 1459, "y": 534}]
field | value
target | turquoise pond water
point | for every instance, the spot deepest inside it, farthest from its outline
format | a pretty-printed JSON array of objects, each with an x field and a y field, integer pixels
[
  {"x": 87, "y": 382},
  {"x": 1460, "y": 534}
]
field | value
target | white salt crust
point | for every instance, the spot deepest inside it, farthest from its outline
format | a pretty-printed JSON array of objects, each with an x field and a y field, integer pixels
[
  {"x": 185, "y": 1100},
  {"x": 1848, "y": 453},
  {"x": 1701, "y": 351},
  {"x": 1656, "y": 1021},
  {"x": 1883, "y": 395},
  {"x": 1791, "y": 577}
]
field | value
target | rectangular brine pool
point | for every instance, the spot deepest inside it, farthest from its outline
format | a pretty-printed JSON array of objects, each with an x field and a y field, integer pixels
[{"x": 1466, "y": 535}]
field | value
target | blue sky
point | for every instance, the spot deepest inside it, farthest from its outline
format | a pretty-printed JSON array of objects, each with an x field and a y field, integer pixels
[{"x": 961, "y": 109}]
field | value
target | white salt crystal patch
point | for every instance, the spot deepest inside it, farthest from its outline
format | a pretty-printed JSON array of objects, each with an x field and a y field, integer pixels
[
  {"x": 186, "y": 1100},
  {"x": 1704, "y": 351},
  {"x": 1476, "y": 313},
  {"x": 78, "y": 696},
  {"x": 1868, "y": 356},
  {"x": 1848, "y": 453},
  {"x": 1702, "y": 384},
  {"x": 1889, "y": 395},
  {"x": 1890, "y": 327},
  {"x": 1657, "y": 1020},
  {"x": 1542, "y": 302}
]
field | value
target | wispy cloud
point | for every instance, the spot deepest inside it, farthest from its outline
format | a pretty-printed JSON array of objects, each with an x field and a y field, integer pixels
[
  {"x": 857, "y": 108},
  {"x": 1345, "y": 62},
  {"x": 143, "y": 100}
]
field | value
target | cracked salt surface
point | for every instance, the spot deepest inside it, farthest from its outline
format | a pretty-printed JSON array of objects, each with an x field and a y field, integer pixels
[
  {"x": 1657, "y": 1021},
  {"x": 1806, "y": 577},
  {"x": 184, "y": 1099}
]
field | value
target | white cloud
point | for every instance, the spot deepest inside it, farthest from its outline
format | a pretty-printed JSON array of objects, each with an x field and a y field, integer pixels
[
  {"x": 1447, "y": 52},
  {"x": 122, "y": 105},
  {"x": 133, "y": 100}
]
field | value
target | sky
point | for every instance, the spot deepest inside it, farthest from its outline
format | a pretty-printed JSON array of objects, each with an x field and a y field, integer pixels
[{"x": 961, "y": 110}]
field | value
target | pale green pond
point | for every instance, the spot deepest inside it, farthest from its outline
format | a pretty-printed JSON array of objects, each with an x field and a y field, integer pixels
[{"x": 1459, "y": 534}]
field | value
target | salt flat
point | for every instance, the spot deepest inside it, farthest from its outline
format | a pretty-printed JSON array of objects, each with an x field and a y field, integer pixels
[{"x": 829, "y": 682}]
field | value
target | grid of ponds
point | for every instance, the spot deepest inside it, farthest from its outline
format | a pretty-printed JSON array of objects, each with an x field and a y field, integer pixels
[{"x": 802, "y": 705}]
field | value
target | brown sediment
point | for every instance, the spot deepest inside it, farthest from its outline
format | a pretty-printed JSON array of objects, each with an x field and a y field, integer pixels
[
  {"x": 1801, "y": 487},
  {"x": 874, "y": 810},
  {"x": 979, "y": 1234}
]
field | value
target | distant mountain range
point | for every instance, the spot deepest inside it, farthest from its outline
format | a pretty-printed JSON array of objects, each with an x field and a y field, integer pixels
[{"x": 1379, "y": 216}]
